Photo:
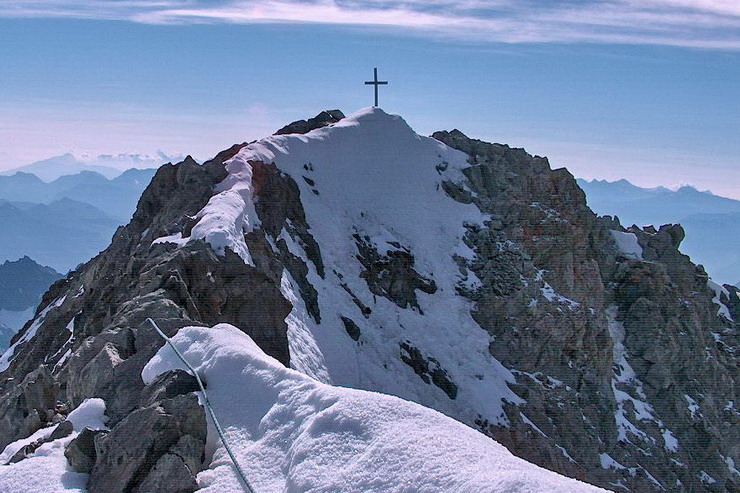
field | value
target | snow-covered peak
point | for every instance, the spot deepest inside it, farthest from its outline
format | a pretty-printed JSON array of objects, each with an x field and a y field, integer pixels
[{"x": 371, "y": 179}]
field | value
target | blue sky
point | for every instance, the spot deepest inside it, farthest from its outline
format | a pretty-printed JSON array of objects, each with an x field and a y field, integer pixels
[{"x": 645, "y": 90}]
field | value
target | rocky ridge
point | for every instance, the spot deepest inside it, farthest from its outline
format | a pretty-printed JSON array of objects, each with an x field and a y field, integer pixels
[{"x": 623, "y": 374}]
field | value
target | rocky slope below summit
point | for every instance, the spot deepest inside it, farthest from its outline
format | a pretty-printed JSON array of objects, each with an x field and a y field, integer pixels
[{"x": 465, "y": 276}]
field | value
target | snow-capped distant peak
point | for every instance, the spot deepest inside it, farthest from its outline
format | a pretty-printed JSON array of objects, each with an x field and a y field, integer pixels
[{"x": 108, "y": 165}]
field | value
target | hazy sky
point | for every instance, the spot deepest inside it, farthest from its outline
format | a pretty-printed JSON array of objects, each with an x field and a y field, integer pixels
[{"x": 643, "y": 89}]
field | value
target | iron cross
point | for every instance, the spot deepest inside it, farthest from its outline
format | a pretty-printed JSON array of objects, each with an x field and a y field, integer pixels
[{"x": 375, "y": 82}]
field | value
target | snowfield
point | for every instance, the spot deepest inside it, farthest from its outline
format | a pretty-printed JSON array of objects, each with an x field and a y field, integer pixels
[{"x": 292, "y": 433}]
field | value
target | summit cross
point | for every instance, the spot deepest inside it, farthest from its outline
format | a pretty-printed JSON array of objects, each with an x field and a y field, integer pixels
[{"x": 375, "y": 82}]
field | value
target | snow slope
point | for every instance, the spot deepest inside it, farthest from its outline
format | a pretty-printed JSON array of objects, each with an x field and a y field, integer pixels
[
  {"x": 292, "y": 433},
  {"x": 371, "y": 176}
]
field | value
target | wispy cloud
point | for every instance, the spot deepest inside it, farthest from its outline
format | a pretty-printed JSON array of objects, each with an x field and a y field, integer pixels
[{"x": 713, "y": 24}]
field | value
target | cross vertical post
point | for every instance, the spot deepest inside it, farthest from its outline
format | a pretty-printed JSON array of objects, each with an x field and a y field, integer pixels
[{"x": 375, "y": 82}]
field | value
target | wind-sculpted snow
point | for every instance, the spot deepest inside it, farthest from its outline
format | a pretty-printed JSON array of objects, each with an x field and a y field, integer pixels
[
  {"x": 294, "y": 434},
  {"x": 227, "y": 216}
]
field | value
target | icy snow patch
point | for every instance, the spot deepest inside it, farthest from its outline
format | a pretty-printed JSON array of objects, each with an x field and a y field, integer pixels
[
  {"x": 730, "y": 464},
  {"x": 8, "y": 355},
  {"x": 706, "y": 478},
  {"x": 293, "y": 434},
  {"x": 627, "y": 244},
  {"x": 718, "y": 290},
  {"x": 693, "y": 407},
  {"x": 670, "y": 442},
  {"x": 607, "y": 462},
  {"x": 47, "y": 468},
  {"x": 305, "y": 354},
  {"x": 553, "y": 297}
]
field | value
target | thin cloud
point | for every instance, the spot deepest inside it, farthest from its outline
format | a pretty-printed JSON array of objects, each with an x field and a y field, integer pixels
[{"x": 713, "y": 24}]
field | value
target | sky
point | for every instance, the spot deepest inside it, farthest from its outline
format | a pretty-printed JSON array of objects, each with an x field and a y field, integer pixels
[{"x": 647, "y": 90}]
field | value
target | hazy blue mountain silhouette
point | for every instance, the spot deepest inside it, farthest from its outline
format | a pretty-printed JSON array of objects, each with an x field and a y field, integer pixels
[
  {"x": 108, "y": 165},
  {"x": 23, "y": 282},
  {"x": 116, "y": 197},
  {"x": 61, "y": 234},
  {"x": 712, "y": 223}
]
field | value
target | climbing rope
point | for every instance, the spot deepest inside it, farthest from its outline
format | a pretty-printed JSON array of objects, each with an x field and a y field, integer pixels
[{"x": 208, "y": 406}]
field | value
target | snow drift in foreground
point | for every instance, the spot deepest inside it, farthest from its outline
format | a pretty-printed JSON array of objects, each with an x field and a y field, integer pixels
[{"x": 292, "y": 433}]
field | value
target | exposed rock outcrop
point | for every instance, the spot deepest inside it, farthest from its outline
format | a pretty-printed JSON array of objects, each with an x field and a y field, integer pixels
[
  {"x": 616, "y": 357},
  {"x": 323, "y": 119}
]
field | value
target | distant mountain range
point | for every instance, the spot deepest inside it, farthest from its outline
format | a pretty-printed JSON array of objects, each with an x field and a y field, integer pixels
[
  {"x": 22, "y": 284},
  {"x": 62, "y": 234},
  {"x": 712, "y": 223},
  {"x": 116, "y": 197},
  {"x": 108, "y": 165},
  {"x": 69, "y": 220}
]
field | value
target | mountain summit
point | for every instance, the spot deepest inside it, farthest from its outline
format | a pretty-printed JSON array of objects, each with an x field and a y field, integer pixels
[{"x": 464, "y": 276}]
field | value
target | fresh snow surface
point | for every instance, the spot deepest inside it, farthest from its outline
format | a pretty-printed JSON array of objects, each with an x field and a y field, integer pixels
[
  {"x": 627, "y": 244},
  {"x": 47, "y": 469},
  {"x": 292, "y": 433},
  {"x": 8, "y": 355},
  {"x": 371, "y": 175}
]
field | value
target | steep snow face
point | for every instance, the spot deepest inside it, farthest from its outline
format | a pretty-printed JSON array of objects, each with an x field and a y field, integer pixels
[
  {"x": 292, "y": 433},
  {"x": 370, "y": 180}
]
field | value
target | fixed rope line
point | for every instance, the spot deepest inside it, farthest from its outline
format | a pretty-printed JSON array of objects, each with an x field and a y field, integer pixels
[{"x": 208, "y": 406}]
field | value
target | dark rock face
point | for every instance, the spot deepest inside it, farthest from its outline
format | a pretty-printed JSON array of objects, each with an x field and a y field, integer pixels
[
  {"x": 27, "y": 406},
  {"x": 161, "y": 446},
  {"x": 64, "y": 429},
  {"x": 304, "y": 126},
  {"x": 392, "y": 276},
  {"x": 428, "y": 369},
  {"x": 352, "y": 329},
  {"x": 167, "y": 386},
  {"x": 80, "y": 452}
]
